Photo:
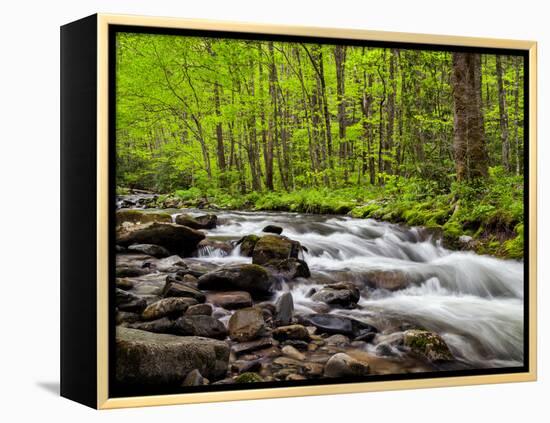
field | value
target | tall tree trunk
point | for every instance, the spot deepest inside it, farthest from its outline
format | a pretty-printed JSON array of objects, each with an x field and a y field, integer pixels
[
  {"x": 469, "y": 144},
  {"x": 517, "y": 62},
  {"x": 219, "y": 133},
  {"x": 388, "y": 153},
  {"x": 340, "y": 63},
  {"x": 503, "y": 116},
  {"x": 272, "y": 125}
]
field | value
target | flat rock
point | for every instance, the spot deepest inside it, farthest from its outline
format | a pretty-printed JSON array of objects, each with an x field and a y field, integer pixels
[{"x": 230, "y": 300}]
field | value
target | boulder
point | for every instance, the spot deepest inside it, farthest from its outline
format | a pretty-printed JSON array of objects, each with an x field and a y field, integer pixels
[
  {"x": 284, "y": 310},
  {"x": 150, "y": 359},
  {"x": 199, "y": 310},
  {"x": 273, "y": 229},
  {"x": 199, "y": 325},
  {"x": 247, "y": 277},
  {"x": 194, "y": 378},
  {"x": 247, "y": 324},
  {"x": 126, "y": 301},
  {"x": 289, "y": 268},
  {"x": 168, "y": 307},
  {"x": 206, "y": 221},
  {"x": 176, "y": 238},
  {"x": 139, "y": 217},
  {"x": 173, "y": 288},
  {"x": 230, "y": 300},
  {"x": 428, "y": 344},
  {"x": 343, "y": 294},
  {"x": 333, "y": 324},
  {"x": 150, "y": 249},
  {"x": 274, "y": 247},
  {"x": 342, "y": 365},
  {"x": 247, "y": 244},
  {"x": 297, "y": 332}
]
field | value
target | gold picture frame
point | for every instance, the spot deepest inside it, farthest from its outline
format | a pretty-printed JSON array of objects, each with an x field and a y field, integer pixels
[{"x": 103, "y": 22}]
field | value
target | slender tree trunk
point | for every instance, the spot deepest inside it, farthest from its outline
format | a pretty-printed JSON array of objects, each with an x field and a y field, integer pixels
[
  {"x": 503, "y": 116},
  {"x": 340, "y": 63},
  {"x": 272, "y": 126},
  {"x": 219, "y": 134},
  {"x": 516, "y": 115}
]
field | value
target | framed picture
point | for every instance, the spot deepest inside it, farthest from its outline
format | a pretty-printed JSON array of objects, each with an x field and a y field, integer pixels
[{"x": 256, "y": 211}]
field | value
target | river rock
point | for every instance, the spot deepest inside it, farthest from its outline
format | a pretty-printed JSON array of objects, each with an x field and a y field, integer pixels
[
  {"x": 274, "y": 247},
  {"x": 162, "y": 325},
  {"x": 342, "y": 365},
  {"x": 339, "y": 340},
  {"x": 343, "y": 294},
  {"x": 247, "y": 244},
  {"x": 243, "y": 366},
  {"x": 129, "y": 271},
  {"x": 199, "y": 310},
  {"x": 284, "y": 310},
  {"x": 172, "y": 288},
  {"x": 169, "y": 307},
  {"x": 126, "y": 317},
  {"x": 206, "y": 221},
  {"x": 149, "y": 359},
  {"x": 247, "y": 277},
  {"x": 388, "y": 279},
  {"x": 127, "y": 301},
  {"x": 273, "y": 229},
  {"x": 150, "y": 249},
  {"x": 292, "y": 352},
  {"x": 230, "y": 300},
  {"x": 297, "y": 332},
  {"x": 289, "y": 268},
  {"x": 244, "y": 347},
  {"x": 124, "y": 284},
  {"x": 333, "y": 324},
  {"x": 199, "y": 325},
  {"x": 138, "y": 217},
  {"x": 210, "y": 245},
  {"x": 171, "y": 264},
  {"x": 194, "y": 378},
  {"x": 247, "y": 324},
  {"x": 177, "y": 239},
  {"x": 428, "y": 344}
]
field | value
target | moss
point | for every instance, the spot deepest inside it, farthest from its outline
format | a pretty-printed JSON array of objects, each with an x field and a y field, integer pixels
[{"x": 249, "y": 377}]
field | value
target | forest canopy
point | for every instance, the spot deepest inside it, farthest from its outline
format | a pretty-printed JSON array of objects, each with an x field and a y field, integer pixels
[{"x": 430, "y": 138}]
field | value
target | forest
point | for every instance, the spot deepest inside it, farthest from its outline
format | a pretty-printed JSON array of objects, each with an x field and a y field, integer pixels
[{"x": 421, "y": 137}]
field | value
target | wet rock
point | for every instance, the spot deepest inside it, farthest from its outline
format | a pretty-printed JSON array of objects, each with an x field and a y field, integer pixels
[
  {"x": 177, "y": 239},
  {"x": 199, "y": 325},
  {"x": 296, "y": 332},
  {"x": 365, "y": 337},
  {"x": 247, "y": 324},
  {"x": 247, "y": 277},
  {"x": 428, "y": 344},
  {"x": 206, "y": 221},
  {"x": 339, "y": 340},
  {"x": 274, "y": 247},
  {"x": 209, "y": 246},
  {"x": 293, "y": 366},
  {"x": 126, "y": 317},
  {"x": 249, "y": 377},
  {"x": 128, "y": 271},
  {"x": 384, "y": 350},
  {"x": 343, "y": 294},
  {"x": 172, "y": 263},
  {"x": 273, "y": 229},
  {"x": 168, "y": 307},
  {"x": 247, "y": 244},
  {"x": 289, "y": 268},
  {"x": 124, "y": 284},
  {"x": 162, "y": 325},
  {"x": 390, "y": 280},
  {"x": 284, "y": 310},
  {"x": 172, "y": 288},
  {"x": 150, "y": 249},
  {"x": 243, "y": 366},
  {"x": 138, "y": 217},
  {"x": 150, "y": 359},
  {"x": 194, "y": 378},
  {"x": 292, "y": 352},
  {"x": 342, "y": 365},
  {"x": 333, "y": 324},
  {"x": 126, "y": 301},
  {"x": 199, "y": 310},
  {"x": 295, "y": 376},
  {"x": 244, "y": 347},
  {"x": 230, "y": 300}
]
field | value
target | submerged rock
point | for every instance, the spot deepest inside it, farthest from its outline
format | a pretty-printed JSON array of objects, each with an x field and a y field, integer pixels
[
  {"x": 177, "y": 239},
  {"x": 206, "y": 221},
  {"x": 149, "y": 359},
  {"x": 150, "y": 249},
  {"x": 342, "y": 365},
  {"x": 247, "y": 277},
  {"x": 428, "y": 344},
  {"x": 246, "y": 325},
  {"x": 274, "y": 247}
]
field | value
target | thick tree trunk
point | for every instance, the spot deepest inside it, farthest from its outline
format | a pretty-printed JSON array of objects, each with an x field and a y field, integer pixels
[{"x": 469, "y": 144}]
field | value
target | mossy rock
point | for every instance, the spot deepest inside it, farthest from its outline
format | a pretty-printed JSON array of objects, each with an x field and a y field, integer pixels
[
  {"x": 139, "y": 217},
  {"x": 428, "y": 344},
  {"x": 274, "y": 247},
  {"x": 249, "y": 377},
  {"x": 247, "y": 244}
]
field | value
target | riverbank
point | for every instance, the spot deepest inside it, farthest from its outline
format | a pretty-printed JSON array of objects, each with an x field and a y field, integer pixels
[{"x": 487, "y": 219}]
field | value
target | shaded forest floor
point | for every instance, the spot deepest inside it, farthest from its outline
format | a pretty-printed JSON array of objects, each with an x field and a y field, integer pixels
[{"x": 486, "y": 218}]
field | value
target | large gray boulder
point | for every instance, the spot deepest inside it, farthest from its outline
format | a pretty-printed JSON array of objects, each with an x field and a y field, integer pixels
[
  {"x": 151, "y": 359},
  {"x": 177, "y": 239},
  {"x": 246, "y": 277}
]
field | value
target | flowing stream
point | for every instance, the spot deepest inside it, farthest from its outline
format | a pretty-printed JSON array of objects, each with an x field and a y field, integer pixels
[{"x": 474, "y": 302}]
